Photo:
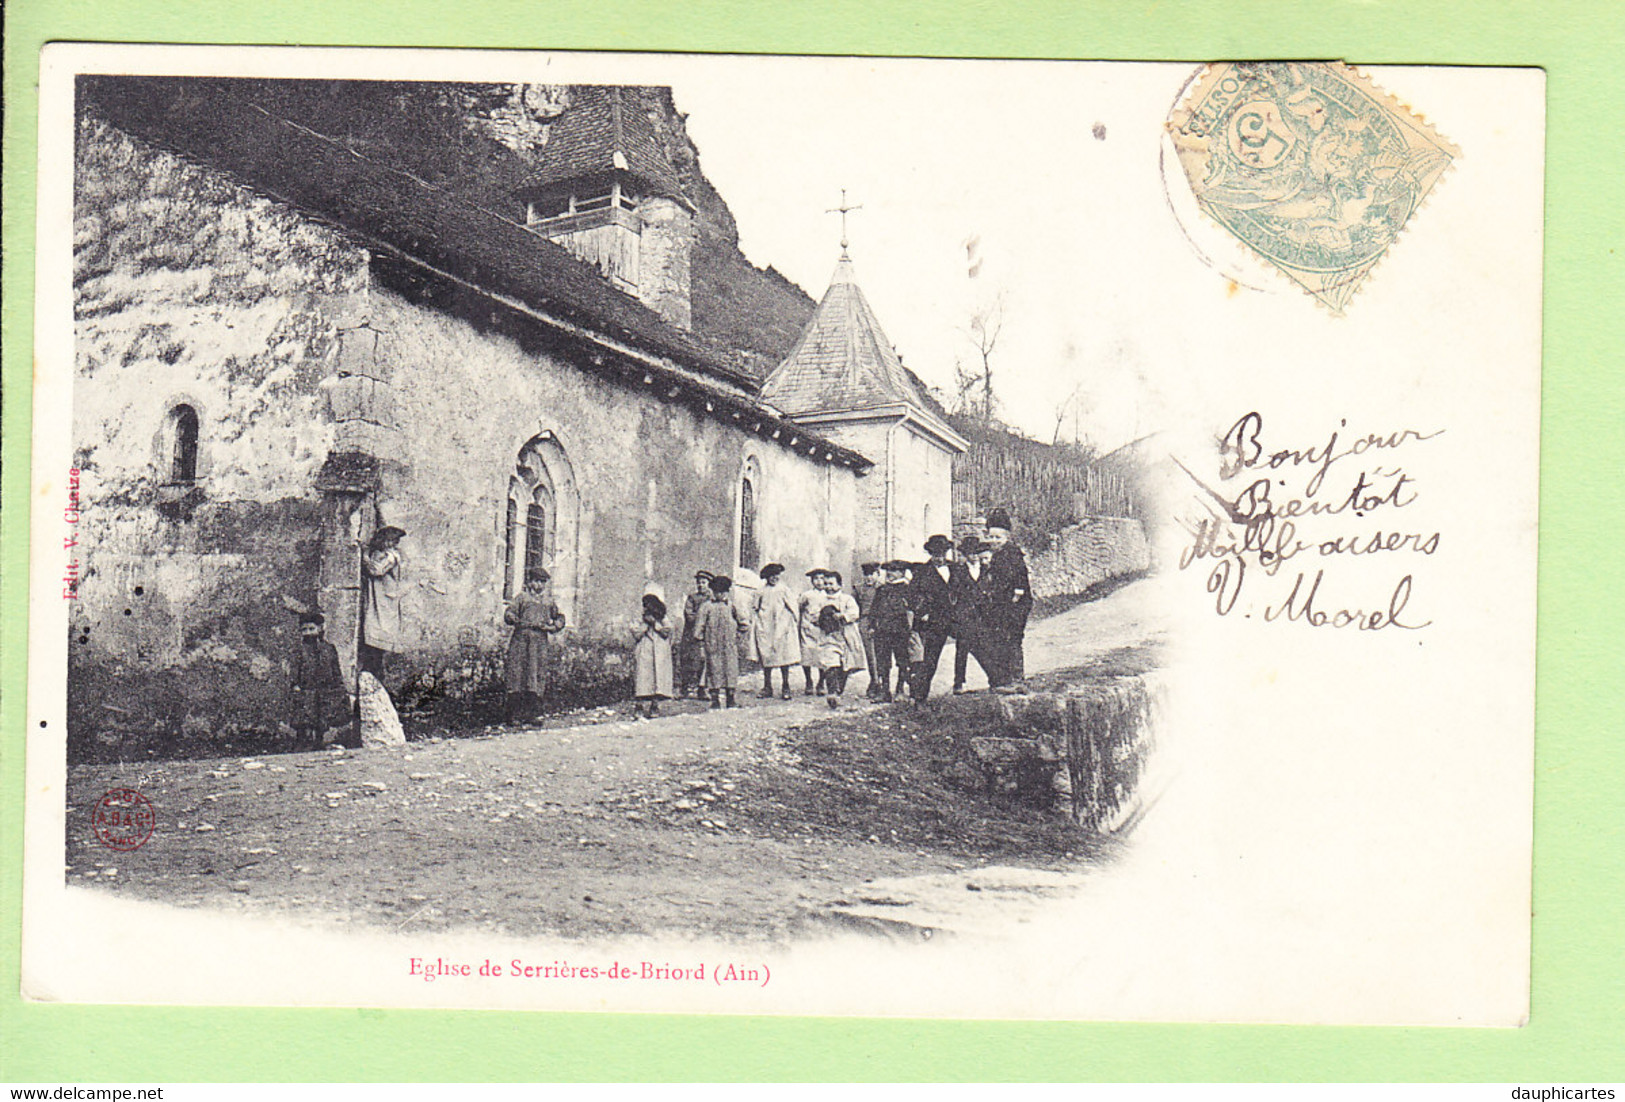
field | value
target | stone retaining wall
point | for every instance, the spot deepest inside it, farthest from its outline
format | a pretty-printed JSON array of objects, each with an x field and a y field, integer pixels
[
  {"x": 1092, "y": 551},
  {"x": 1092, "y": 740}
]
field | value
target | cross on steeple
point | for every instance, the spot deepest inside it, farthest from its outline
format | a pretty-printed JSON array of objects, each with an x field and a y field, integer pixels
[{"x": 843, "y": 210}]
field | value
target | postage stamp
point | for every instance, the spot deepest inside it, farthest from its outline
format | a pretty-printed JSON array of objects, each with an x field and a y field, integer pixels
[{"x": 1308, "y": 164}]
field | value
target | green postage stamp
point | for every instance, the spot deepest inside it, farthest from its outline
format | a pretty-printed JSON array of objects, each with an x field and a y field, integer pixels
[{"x": 1308, "y": 164}]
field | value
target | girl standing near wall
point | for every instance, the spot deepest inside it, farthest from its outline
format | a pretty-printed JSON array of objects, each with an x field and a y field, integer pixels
[
  {"x": 383, "y": 627},
  {"x": 721, "y": 627},
  {"x": 534, "y": 617},
  {"x": 807, "y": 620},
  {"x": 840, "y": 646}
]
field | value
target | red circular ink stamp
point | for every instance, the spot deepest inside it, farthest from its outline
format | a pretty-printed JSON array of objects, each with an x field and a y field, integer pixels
[{"x": 123, "y": 819}]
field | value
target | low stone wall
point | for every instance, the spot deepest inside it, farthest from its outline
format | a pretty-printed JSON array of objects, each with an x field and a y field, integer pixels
[
  {"x": 1092, "y": 551},
  {"x": 1092, "y": 741}
]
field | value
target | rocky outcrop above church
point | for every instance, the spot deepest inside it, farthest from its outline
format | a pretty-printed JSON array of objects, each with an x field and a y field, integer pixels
[{"x": 740, "y": 310}]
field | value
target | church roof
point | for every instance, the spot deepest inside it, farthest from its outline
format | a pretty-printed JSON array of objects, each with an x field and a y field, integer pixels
[
  {"x": 843, "y": 360},
  {"x": 223, "y": 124},
  {"x": 606, "y": 129}
]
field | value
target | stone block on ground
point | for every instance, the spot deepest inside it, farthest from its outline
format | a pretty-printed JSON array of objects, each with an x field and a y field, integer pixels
[{"x": 380, "y": 726}]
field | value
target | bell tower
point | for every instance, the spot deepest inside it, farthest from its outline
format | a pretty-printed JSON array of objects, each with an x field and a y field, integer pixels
[{"x": 607, "y": 192}]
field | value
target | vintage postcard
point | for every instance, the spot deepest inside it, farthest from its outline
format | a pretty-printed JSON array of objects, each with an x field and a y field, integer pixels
[{"x": 750, "y": 535}]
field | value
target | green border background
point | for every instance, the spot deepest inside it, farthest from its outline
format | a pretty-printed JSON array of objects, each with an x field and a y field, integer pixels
[{"x": 1577, "y": 1024}]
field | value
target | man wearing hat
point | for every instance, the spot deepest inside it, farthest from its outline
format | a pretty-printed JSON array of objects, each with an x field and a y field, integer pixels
[
  {"x": 932, "y": 602},
  {"x": 691, "y": 652},
  {"x": 1010, "y": 601},
  {"x": 970, "y": 609}
]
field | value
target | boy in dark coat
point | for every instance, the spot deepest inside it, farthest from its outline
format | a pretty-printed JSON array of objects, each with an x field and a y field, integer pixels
[
  {"x": 932, "y": 602},
  {"x": 864, "y": 591},
  {"x": 965, "y": 579},
  {"x": 690, "y": 651},
  {"x": 892, "y": 620},
  {"x": 320, "y": 697}
]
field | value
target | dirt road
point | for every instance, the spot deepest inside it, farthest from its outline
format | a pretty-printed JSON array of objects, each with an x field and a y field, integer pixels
[{"x": 743, "y": 823}]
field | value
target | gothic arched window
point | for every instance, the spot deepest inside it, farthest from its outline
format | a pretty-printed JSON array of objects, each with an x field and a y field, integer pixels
[
  {"x": 750, "y": 551},
  {"x": 541, "y": 521},
  {"x": 183, "y": 433}
]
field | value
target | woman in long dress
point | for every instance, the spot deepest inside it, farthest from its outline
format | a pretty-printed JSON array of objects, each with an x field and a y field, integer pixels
[
  {"x": 778, "y": 641},
  {"x": 651, "y": 657},
  {"x": 534, "y": 617}
]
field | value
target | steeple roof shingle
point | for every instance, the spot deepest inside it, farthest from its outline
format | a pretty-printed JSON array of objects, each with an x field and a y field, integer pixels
[
  {"x": 606, "y": 128},
  {"x": 843, "y": 360}
]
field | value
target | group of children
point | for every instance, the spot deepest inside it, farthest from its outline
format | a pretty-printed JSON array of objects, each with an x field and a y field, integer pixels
[
  {"x": 830, "y": 633},
  {"x": 817, "y": 630}
]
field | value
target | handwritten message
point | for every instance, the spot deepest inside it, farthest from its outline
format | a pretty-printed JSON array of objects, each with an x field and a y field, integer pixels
[{"x": 1288, "y": 534}]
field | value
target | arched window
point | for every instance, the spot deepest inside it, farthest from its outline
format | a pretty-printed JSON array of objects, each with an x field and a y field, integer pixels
[
  {"x": 750, "y": 552},
  {"x": 530, "y": 528},
  {"x": 183, "y": 431},
  {"x": 541, "y": 520}
]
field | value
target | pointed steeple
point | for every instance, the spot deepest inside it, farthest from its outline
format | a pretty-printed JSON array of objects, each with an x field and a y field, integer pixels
[{"x": 843, "y": 360}]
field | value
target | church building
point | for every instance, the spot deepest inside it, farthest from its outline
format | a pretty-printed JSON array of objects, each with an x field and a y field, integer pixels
[{"x": 511, "y": 320}]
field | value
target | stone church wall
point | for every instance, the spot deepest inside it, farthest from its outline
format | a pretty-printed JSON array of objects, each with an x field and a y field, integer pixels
[
  {"x": 921, "y": 495},
  {"x": 194, "y": 291},
  {"x": 655, "y": 483}
]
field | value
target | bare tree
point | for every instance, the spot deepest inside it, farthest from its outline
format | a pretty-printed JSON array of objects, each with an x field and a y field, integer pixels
[
  {"x": 1068, "y": 404},
  {"x": 983, "y": 332}
]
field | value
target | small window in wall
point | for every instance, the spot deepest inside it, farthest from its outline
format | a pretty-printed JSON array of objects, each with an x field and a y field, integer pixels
[
  {"x": 183, "y": 432},
  {"x": 750, "y": 551}
]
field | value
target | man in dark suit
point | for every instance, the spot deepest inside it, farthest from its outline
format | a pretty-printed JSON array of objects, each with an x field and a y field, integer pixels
[
  {"x": 965, "y": 576},
  {"x": 933, "y": 605},
  {"x": 1010, "y": 602}
]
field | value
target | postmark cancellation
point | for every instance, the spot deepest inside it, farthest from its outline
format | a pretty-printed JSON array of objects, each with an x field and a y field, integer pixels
[{"x": 1308, "y": 164}]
